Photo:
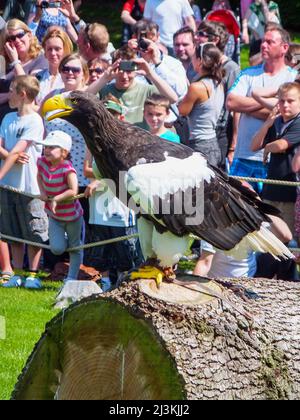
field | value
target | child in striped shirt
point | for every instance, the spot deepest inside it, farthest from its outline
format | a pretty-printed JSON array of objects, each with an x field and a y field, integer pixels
[{"x": 58, "y": 184}]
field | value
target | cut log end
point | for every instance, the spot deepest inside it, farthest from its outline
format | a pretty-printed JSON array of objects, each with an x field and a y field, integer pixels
[{"x": 140, "y": 343}]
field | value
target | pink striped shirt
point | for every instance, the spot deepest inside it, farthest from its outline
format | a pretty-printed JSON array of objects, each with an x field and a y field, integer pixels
[{"x": 54, "y": 180}]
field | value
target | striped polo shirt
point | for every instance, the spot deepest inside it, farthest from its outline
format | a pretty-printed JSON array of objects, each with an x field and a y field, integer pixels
[{"x": 54, "y": 181}]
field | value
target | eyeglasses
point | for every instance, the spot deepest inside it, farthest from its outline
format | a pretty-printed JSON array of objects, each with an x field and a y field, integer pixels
[
  {"x": 205, "y": 34},
  {"x": 97, "y": 70},
  {"x": 13, "y": 38},
  {"x": 71, "y": 69}
]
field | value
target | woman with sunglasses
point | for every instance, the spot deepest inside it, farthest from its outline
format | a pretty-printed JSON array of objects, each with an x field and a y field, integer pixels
[
  {"x": 204, "y": 102},
  {"x": 96, "y": 69},
  {"x": 22, "y": 53},
  {"x": 57, "y": 45}
]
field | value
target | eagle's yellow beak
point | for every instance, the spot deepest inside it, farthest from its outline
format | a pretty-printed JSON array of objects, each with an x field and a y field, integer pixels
[{"x": 56, "y": 107}]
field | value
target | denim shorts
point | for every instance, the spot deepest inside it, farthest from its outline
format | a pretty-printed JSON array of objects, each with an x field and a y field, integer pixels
[{"x": 23, "y": 217}]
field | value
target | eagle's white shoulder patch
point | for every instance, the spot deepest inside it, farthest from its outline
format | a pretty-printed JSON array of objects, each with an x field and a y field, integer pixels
[{"x": 144, "y": 182}]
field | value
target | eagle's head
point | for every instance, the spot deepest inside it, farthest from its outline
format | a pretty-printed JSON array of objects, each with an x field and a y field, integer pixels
[
  {"x": 86, "y": 112},
  {"x": 74, "y": 105}
]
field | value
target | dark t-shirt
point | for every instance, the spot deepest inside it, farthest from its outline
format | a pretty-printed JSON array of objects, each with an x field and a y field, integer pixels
[{"x": 280, "y": 166}]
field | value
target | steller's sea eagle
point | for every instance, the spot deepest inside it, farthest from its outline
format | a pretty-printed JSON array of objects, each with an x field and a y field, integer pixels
[{"x": 178, "y": 194}]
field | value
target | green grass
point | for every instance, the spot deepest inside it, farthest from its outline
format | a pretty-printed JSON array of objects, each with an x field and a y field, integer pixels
[{"x": 26, "y": 314}]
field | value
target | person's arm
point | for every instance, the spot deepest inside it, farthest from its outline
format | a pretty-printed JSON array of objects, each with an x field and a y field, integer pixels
[
  {"x": 277, "y": 146},
  {"x": 266, "y": 97},
  {"x": 71, "y": 192},
  {"x": 261, "y": 114},
  {"x": 259, "y": 138},
  {"x": 43, "y": 195},
  {"x": 162, "y": 86},
  {"x": 204, "y": 264},
  {"x": 242, "y": 104},
  {"x": 127, "y": 18},
  {"x": 280, "y": 229},
  {"x": 13, "y": 57},
  {"x": 234, "y": 139},
  {"x": 296, "y": 161},
  {"x": 71, "y": 32},
  {"x": 190, "y": 21},
  {"x": 13, "y": 156},
  {"x": 196, "y": 93},
  {"x": 3, "y": 151}
]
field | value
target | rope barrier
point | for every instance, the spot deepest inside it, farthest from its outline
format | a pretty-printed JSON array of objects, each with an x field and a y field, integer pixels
[
  {"x": 267, "y": 181},
  {"x": 78, "y": 248},
  {"x": 124, "y": 238},
  {"x": 36, "y": 197}
]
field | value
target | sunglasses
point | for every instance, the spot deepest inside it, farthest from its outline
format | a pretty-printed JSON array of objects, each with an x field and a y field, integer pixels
[
  {"x": 71, "y": 69},
  {"x": 13, "y": 38},
  {"x": 205, "y": 34},
  {"x": 97, "y": 70}
]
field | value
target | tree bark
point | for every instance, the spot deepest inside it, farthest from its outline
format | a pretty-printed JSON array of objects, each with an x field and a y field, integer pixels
[{"x": 130, "y": 345}]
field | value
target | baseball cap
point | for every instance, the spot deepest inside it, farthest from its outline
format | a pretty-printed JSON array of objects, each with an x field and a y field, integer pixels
[{"x": 58, "y": 138}]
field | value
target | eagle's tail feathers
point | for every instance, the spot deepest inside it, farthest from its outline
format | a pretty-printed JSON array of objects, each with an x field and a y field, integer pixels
[{"x": 262, "y": 241}]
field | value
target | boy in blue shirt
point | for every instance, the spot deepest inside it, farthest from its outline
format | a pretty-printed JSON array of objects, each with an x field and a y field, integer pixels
[{"x": 156, "y": 113}]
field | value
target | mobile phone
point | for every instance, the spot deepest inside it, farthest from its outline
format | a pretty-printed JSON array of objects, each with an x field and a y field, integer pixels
[{"x": 127, "y": 65}]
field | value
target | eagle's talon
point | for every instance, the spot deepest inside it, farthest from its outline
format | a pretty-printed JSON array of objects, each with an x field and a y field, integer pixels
[{"x": 148, "y": 272}]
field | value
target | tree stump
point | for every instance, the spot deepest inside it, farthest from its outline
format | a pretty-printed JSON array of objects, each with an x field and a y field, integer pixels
[{"x": 133, "y": 344}]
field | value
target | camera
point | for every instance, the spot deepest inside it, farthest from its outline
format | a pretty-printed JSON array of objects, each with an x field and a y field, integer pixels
[
  {"x": 142, "y": 43},
  {"x": 50, "y": 5},
  {"x": 128, "y": 66}
]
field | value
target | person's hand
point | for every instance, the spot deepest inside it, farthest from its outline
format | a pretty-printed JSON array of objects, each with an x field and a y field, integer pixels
[
  {"x": 133, "y": 44},
  {"x": 111, "y": 72},
  {"x": 275, "y": 113},
  {"x": 23, "y": 159},
  {"x": 38, "y": 11},
  {"x": 144, "y": 68},
  {"x": 53, "y": 206},
  {"x": 68, "y": 9},
  {"x": 230, "y": 157},
  {"x": 245, "y": 37},
  {"x": 153, "y": 54},
  {"x": 44, "y": 197},
  {"x": 91, "y": 188},
  {"x": 11, "y": 52},
  {"x": 266, "y": 155}
]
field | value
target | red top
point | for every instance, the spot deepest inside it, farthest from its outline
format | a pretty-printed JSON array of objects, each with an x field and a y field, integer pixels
[{"x": 129, "y": 6}]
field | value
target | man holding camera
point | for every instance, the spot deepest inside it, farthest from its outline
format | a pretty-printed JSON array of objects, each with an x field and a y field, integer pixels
[
  {"x": 131, "y": 92},
  {"x": 146, "y": 44}
]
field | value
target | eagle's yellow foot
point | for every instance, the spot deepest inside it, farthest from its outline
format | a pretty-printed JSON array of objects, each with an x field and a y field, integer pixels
[
  {"x": 148, "y": 272},
  {"x": 153, "y": 272}
]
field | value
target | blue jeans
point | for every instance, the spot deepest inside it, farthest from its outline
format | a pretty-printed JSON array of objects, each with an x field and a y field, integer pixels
[{"x": 64, "y": 235}]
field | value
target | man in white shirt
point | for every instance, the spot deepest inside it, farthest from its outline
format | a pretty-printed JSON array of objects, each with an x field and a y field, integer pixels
[
  {"x": 271, "y": 74},
  {"x": 170, "y": 15}
]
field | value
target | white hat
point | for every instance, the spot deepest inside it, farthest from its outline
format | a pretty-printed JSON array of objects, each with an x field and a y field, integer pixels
[{"x": 58, "y": 138}]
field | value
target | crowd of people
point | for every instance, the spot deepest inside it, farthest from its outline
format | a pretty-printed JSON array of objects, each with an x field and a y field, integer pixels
[{"x": 173, "y": 67}]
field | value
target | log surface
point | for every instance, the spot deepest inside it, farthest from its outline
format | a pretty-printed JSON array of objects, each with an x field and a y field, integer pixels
[{"x": 218, "y": 353}]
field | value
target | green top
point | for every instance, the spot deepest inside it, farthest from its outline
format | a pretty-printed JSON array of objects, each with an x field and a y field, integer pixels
[{"x": 133, "y": 99}]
